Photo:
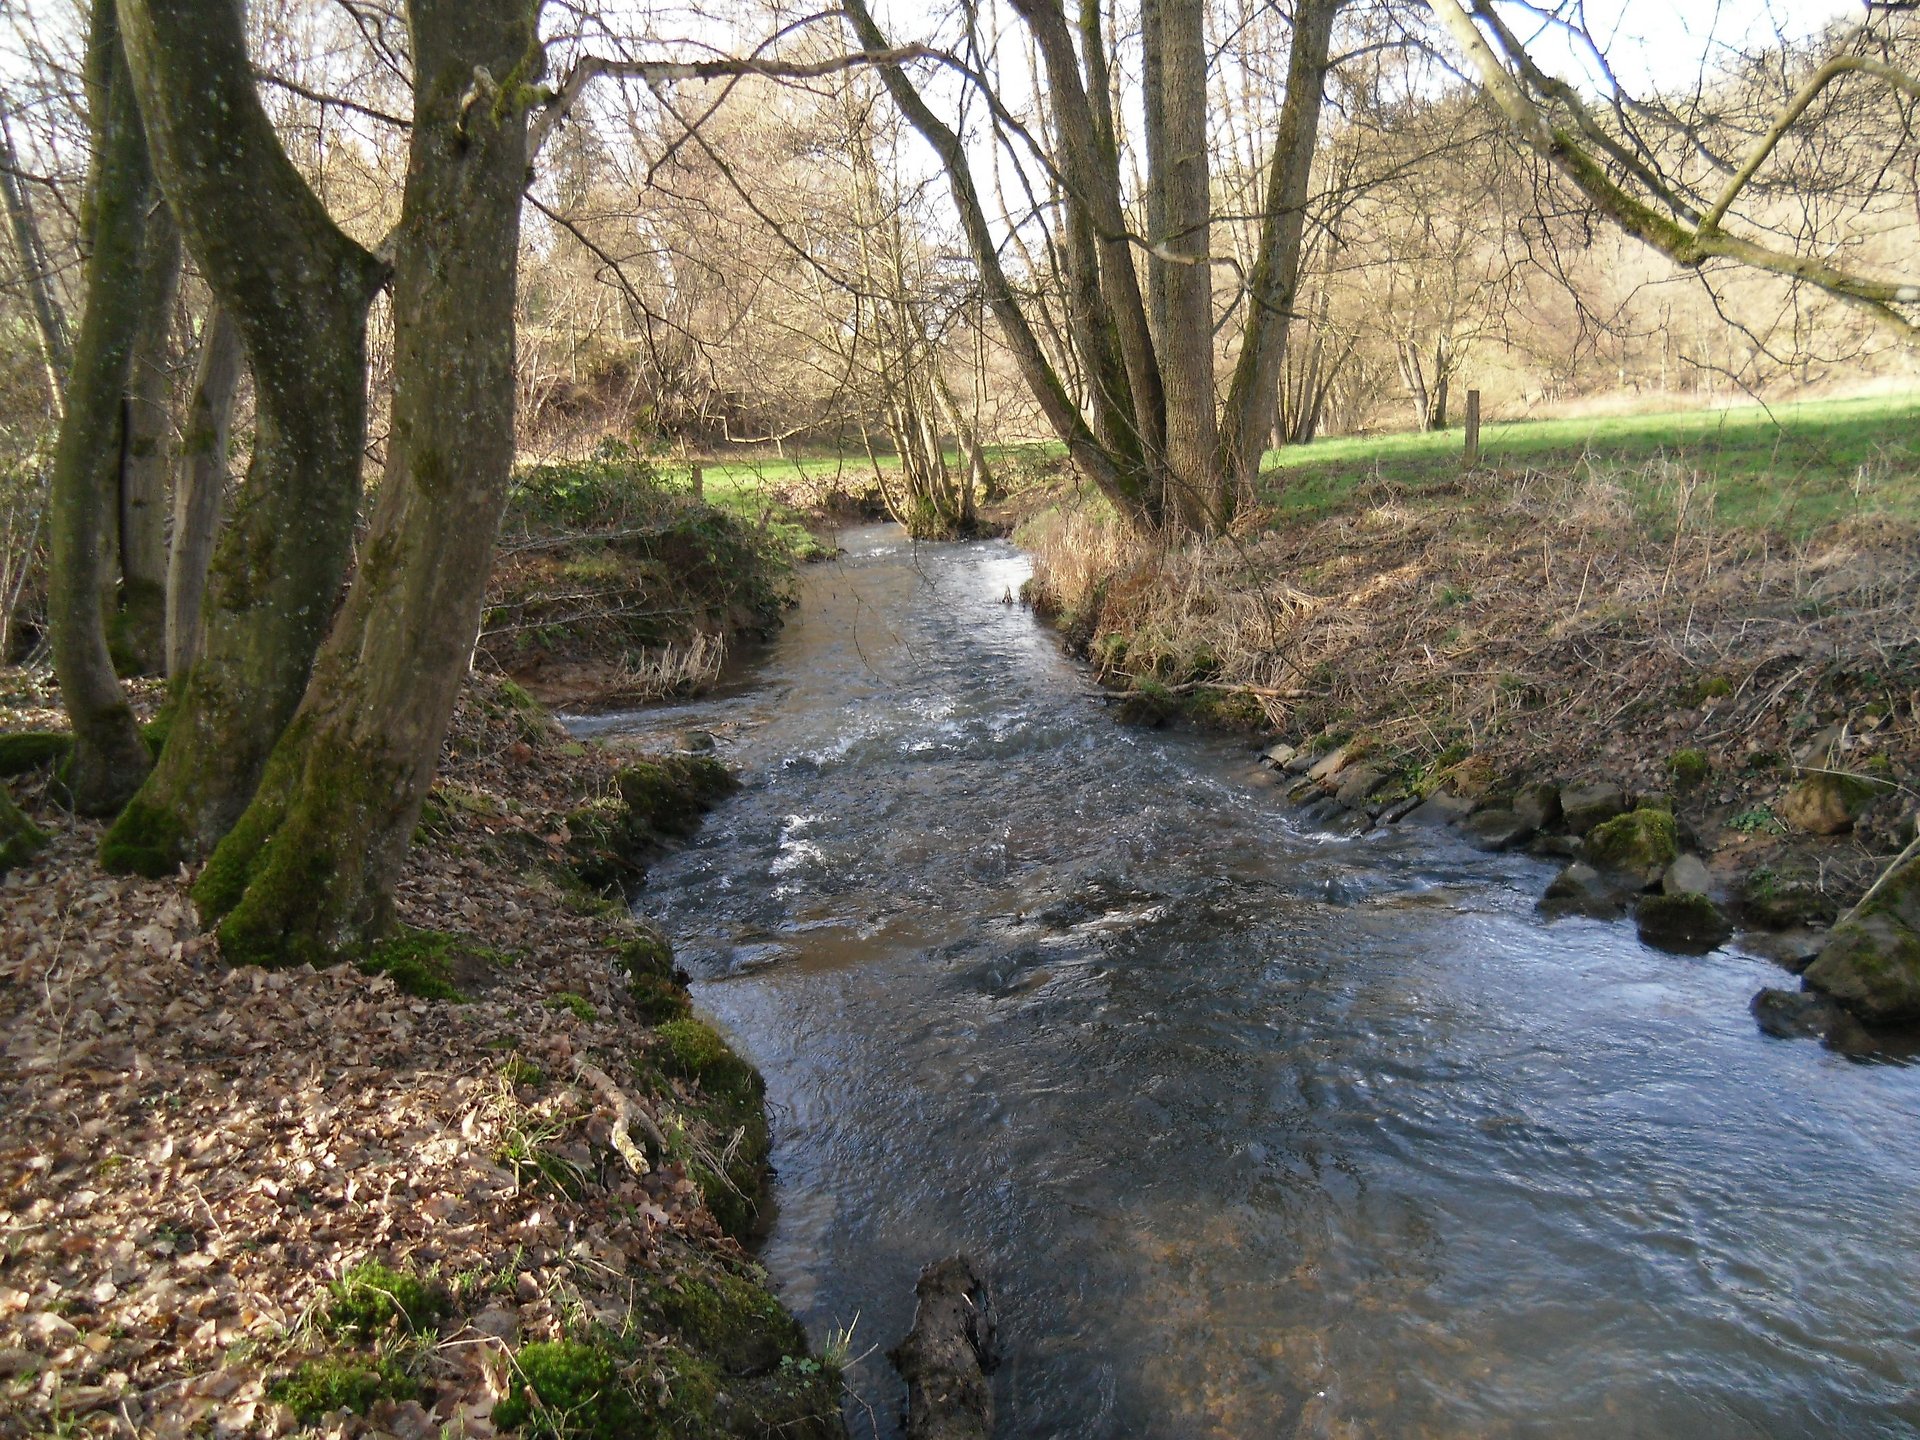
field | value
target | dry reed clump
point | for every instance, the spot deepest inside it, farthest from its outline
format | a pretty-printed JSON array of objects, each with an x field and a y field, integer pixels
[{"x": 1584, "y": 616}]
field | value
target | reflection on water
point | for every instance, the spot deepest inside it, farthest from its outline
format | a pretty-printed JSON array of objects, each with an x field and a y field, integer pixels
[{"x": 1258, "y": 1134}]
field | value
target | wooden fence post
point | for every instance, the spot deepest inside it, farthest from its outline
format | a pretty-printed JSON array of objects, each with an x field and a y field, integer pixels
[
  {"x": 699, "y": 481},
  {"x": 1473, "y": 428}
]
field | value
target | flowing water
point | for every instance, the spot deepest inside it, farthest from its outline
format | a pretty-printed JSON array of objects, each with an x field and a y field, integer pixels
[{"x": 1257, "y": 1133}]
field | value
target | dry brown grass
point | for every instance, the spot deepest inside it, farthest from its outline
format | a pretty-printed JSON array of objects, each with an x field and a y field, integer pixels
[{"x": 1539, "y": 618}]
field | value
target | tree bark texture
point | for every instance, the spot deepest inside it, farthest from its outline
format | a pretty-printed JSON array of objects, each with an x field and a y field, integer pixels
[
  {"x": 298, "y": 289},
  {"x": 1273, "y": 288},
  {"x": 109, "y": 758},
  {"x": 308, "y": 872},
  {"x": 199, "y": 482},
  {"x": 50, "y": 321},
  {"x": 1179, "y": 171},
  {"x": 1129, "y": 490},
  {"x": 140, "y": 629}
]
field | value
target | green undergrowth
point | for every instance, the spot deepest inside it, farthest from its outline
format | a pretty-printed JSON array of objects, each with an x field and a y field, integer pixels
[
  {"x": 653, "y": 803},
  {"x": 318, "y": 1387},
  {"x": 375, "y": 1326},
  {"x": 611, "y": 561},
  {"x": 372, "y": 1299},
  {"x": 731, "y": 1362},
  {"x": 28, "y": 750},
  {"x": 726, "y": 1099}
]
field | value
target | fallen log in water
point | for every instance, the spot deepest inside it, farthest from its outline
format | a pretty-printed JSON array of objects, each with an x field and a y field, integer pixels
[{"x": 947, "y": 1355}]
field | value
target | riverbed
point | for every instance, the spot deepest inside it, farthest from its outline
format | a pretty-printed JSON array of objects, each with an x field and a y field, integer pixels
[{"x": 1256, "y": 1132}]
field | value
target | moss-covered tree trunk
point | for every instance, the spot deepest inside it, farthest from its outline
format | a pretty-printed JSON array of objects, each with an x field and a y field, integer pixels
[
  {"x": 308, "y": 872},
  {"x": 20, "y": 838},
  {"x": 109, "y": 758},
  {"x": 298, "y": 289},
  {"x": 199, "y": 481},
  {"x": 140, "y": 629}
]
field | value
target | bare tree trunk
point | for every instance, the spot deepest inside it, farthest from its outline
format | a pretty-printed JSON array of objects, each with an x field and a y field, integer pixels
[
  {"x": 199, "y": 482},
  {"x": 308, "y": 872},
  {"x": 50, "y": 322},
  {"x": 140, "y": 630},
  {"x": 1179, "y": 172},
  {"x": 109, "y": 758},
  {"x": 1274, "y": 285},
  {"x": 298, "y": 290}
]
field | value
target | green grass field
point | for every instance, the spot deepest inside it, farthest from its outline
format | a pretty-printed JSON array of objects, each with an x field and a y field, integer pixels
[{"x": 1793, "y": 469}]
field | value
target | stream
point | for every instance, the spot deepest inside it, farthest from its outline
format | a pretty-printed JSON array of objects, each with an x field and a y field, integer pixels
[{"x": 1255, "y": 1132}]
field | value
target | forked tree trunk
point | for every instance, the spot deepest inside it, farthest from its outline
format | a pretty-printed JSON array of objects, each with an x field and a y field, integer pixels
[
  {"x": 308, "y": 873},
  {"x": 199, "y": 482},
  {"x": 298, "y": 289},
  {"x": 109, "y": 758},
  {"x": 141, "y": 626}
]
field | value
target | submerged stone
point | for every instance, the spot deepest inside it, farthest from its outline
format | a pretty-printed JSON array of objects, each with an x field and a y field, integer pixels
[
  {"x": 1792, "y": 950},
  {"x": 1689, "y": 924},
  {"x": 1497, "y": 829},
  {"x": 1799, "y": 1015},
  {"x": 1582, "y": 890}
]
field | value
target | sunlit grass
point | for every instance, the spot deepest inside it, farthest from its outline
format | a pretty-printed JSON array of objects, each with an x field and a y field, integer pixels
[{"x": 1791, "y": 468}]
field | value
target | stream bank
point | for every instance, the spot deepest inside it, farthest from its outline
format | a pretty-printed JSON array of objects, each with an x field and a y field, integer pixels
[{"x": 1737, "y": 702}]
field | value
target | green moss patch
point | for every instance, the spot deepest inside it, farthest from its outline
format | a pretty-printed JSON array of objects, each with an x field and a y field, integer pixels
[
  {"x": 341, "y": 1382},
  {"x": 434, "y": 964},
  {"x": 146, "y": 839},
  {"x": 20, "y": 838},
  {"x": 32, "y": 750},
  {"x": 372, "y": 1299},
  {"x": 656, "y": 802},
  {"x": 1641, "y": 843},
  {"x": 571, "y": 1390}
]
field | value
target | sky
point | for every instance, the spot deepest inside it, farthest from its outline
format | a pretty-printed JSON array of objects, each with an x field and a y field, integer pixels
[{"x": 1659, "y": 44}]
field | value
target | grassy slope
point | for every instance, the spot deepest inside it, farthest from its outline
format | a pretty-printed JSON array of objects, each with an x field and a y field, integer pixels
[{"x": 1790, "y": 468}]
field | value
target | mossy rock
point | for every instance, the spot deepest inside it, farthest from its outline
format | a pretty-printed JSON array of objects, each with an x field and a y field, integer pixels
[
  {"x": 731, "y": 1098},
  {"x": 1871, "y": 963},
  {"x": 1640, "y": 844},
  {"x": 1686, "y": 923},
  {"x": 1827, "y": 802},
  {"x": 670, "y": 794},
  {"x": 734, "y": 1322},
  {"x": 32, "y": 750},
  {"x": 1778, "y": 900}
]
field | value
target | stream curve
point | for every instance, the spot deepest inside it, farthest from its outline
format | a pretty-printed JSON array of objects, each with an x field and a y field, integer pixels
[{"x": 1256, "y": 1132}]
